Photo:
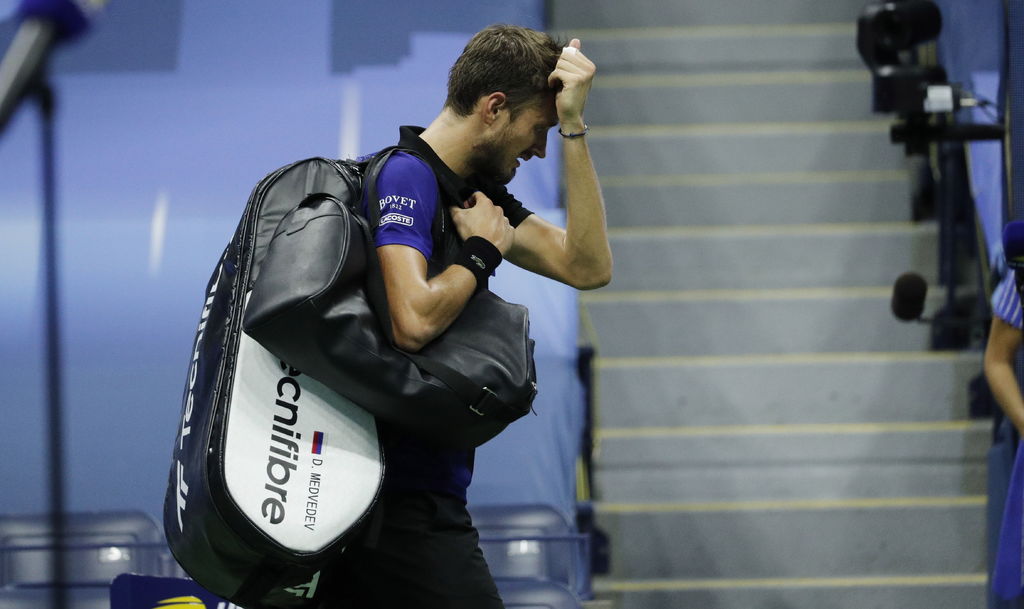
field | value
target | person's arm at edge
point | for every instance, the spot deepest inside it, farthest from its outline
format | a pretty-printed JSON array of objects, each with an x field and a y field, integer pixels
[{"x": 1003, "y": 342}]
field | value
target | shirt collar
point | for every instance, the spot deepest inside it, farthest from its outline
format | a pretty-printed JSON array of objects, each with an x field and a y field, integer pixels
[{"x": 454, "y": 186}]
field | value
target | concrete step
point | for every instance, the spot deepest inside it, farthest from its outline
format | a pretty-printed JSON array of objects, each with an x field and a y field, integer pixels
[
  {"x": 743, "y": 148},
  {"x": 787, "y": 445},
  {"x": 880, "y": 537},
  {"x": 780, "y": 482},
  {"x": 807, "y": 462},
  {"x": 947, "y": 591},
  {"x": 659, "y": 13},
  {"x": 773, "y": 389},
  {"x": 653, "y": 98},
  {"x": 766, "y": 256},
  {"x": 754, "y": 322},
  {"x": 712, "y": 49},
  {"x": 765, "y": 198}
]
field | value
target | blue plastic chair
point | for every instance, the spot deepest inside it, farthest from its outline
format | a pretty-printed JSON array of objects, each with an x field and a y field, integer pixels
[
  {"x": 534, "y": 542},
  {"x": 39, "y": 598},
  {"x": 98, "y": 546}
]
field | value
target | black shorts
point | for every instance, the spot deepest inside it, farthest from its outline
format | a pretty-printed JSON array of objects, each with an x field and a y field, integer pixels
[{"x": 422, "y": 553}]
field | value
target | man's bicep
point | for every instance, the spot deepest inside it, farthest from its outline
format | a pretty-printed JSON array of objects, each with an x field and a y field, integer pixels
[
  {"x": 404, "y": 269},
  {"x": 420, "y": 309}
]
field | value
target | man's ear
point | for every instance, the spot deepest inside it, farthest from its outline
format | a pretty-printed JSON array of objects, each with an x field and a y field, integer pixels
[{"x": 490, "y": 106}]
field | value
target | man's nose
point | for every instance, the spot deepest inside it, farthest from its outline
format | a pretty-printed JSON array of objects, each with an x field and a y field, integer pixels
[{"x": 540, "y": 146}]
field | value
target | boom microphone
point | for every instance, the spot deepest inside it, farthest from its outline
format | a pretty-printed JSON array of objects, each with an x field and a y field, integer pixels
[
  {"x": 44, "y": 25},
  {"x": 908, "y": 294}
]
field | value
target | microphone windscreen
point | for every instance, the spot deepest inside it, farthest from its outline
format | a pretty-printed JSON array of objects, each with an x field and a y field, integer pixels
[
  {"x": 1013, "y": 244},
  {"x": 69, "y": 17},
  {"x": 908, "y": 295}
]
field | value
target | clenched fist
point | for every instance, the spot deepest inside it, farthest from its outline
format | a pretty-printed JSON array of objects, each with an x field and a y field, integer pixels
[
  {"x": 572, "y": 77},
  {"x": 480, "y": 217}
]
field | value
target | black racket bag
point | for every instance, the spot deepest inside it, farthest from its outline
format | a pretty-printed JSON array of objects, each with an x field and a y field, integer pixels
[{"x": 277, "y": 463}]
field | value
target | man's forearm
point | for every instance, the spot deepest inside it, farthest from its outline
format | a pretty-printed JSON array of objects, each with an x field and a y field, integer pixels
[{"x": 586, "y": 234}]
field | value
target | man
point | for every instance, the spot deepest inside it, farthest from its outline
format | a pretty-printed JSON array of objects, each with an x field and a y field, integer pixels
[{"x": 509, "y": 87}]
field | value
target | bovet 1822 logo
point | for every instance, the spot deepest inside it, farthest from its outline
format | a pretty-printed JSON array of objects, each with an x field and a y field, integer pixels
[{"x": 397, "y": 202}]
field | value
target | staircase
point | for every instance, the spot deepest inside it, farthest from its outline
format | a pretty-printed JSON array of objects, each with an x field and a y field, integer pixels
[{"x": 770, "y": 437}]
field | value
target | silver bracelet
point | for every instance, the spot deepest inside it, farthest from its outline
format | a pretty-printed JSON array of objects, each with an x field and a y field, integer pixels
[{"x": 586, "y": 128}]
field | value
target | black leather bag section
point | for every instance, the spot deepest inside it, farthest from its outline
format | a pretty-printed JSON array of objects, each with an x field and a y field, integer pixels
[
  {"x": 206, "y": 531},
  {"x": 319, "y": 304}
]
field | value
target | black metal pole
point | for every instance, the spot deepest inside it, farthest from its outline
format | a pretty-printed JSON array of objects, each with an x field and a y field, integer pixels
[{"x": 54, "y": 385}]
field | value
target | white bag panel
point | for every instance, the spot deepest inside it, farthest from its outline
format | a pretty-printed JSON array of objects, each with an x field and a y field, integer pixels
[{"x": 301, "y": 498}]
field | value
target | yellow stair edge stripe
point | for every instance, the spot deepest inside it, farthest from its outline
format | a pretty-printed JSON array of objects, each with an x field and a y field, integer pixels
[
  {"x": 739, "y": 129},
  {"x": 718, "y": 79},
  {"x": 831, "y": 429},
  {"x": 792, "y": 505},
  {"x": 773, "y": 230},
  {"x": 784, "y": 359},
  {"x": 711, "y": 31},
  {"x": 746, "y": 294},
  {"x": 755, "y": 178},
  {"x": 869, "y": 581}
]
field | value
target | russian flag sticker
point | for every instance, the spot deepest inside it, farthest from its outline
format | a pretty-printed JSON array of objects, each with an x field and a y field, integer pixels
[{"x": 318, "y": 442}]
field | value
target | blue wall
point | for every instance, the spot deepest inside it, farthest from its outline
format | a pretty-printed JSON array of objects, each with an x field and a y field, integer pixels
[{"x": 169, "y": 113}]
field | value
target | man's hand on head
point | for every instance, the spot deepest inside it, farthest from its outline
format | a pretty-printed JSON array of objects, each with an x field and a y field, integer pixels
[
  {"x": 480, "y": 217},
  {"x": 572, "y": 77}
]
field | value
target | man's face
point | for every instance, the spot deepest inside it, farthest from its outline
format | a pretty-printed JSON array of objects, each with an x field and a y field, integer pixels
[{"x": 521, "y": 138}]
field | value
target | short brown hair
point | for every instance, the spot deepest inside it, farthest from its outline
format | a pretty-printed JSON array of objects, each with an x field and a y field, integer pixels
[{"x": 507, "y": 58}]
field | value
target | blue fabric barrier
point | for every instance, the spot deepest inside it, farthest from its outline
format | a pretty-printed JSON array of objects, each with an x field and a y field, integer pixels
[
  {"x": 974, "y": 51},
  {"x": 971, "y": 48},
  {"x": 987, "y": 173}
]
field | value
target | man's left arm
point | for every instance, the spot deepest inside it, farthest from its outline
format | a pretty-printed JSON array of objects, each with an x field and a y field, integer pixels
[{"x": 578, "y": 255}]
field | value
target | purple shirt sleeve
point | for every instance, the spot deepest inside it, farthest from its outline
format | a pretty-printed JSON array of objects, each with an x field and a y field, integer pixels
[{"x": 407, "y": 191}]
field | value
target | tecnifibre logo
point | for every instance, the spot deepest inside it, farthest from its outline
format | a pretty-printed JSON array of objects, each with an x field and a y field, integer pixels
[
  {"x": 186, "y": 419},
  {"x": 284, "y": 450}
]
